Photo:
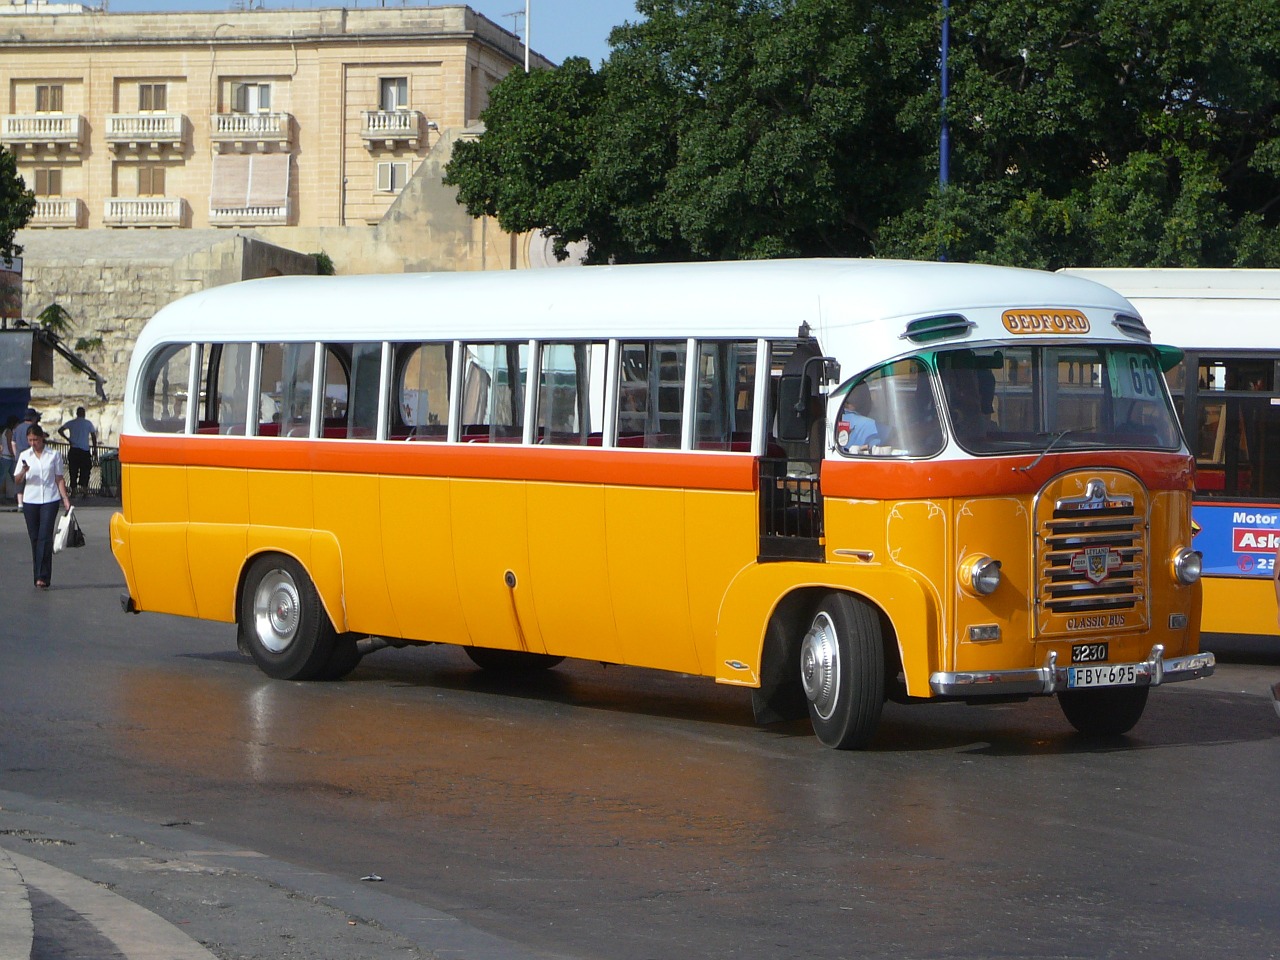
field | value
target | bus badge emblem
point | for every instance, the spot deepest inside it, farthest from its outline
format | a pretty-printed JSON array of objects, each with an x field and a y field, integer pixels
[{"x": 1096, "y": 563}]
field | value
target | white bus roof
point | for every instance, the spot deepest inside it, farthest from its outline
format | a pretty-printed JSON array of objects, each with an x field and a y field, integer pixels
[
  {"x": 1200, "y": 309},
  {"x": 858, "y": 309}
]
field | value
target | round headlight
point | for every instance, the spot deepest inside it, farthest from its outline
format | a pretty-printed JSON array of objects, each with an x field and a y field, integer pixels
[
  {"x": 1187, "y": 564},
  {"x": 980, "y": 575}
]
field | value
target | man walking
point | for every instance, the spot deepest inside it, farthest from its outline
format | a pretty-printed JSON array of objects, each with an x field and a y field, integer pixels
[
  {"x": 82, "y": 435},
  {"x": 20, "y": 439}
]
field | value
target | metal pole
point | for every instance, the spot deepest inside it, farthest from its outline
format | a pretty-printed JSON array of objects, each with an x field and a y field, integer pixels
[
  {"x": 944, "y": 140},
  {"x": 526, "y": 36},
  {"x": 944, "y": 135}
]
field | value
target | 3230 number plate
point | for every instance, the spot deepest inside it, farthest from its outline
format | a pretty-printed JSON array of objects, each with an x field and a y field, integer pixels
[{"x": 1088, "y": 653}]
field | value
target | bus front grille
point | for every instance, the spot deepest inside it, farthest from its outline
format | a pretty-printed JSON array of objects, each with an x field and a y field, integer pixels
[{"x": 1092, "y": 558}]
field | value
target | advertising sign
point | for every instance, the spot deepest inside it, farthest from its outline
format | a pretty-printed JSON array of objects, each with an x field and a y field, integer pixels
[
  {"x": 10, "y": 288},
  {"x": 1236, "y": 540}
]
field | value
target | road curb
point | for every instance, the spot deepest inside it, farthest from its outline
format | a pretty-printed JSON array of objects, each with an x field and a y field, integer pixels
[
  {"x": 134, "y": 930},
  {"x": 16, "y": 930}
]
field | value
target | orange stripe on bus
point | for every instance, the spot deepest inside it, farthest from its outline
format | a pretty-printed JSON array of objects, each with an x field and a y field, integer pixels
[
  {"x": 935, "y": 479},
  {"x": 478, "y": 461}
]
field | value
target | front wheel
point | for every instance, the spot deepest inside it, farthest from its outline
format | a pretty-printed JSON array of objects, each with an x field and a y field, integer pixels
[
  {"x": 1104, "y": 713},
  {"x": 842, "y": 672},
  {"x": 282, "y": 621}
]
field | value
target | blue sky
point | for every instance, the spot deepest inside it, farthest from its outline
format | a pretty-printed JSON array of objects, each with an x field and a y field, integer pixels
[{"x": 559, "y": 28}]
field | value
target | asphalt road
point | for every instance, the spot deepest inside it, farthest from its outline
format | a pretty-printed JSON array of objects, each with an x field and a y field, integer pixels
[{"x": 625, "y": 814}]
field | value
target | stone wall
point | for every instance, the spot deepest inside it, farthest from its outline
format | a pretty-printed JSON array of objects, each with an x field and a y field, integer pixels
[{"x": 111, "y": 283}]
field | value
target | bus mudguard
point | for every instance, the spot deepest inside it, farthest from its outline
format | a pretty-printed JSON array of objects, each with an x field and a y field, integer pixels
[{"x": 755, "y": 593}]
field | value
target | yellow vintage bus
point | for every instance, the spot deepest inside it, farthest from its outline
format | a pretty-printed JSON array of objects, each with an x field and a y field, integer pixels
[{"x": 832, "y": 482}]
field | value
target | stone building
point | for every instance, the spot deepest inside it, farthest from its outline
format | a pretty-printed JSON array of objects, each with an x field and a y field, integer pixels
[
  {"x": 174, "y": 151},
  {"x": 270, "y": 119}
]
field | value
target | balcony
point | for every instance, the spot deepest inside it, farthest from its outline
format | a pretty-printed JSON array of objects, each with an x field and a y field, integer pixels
[
  {"x": 58, "y": 212},
  {"x": 153, "y": 131},
  {"x": 249, "y": 132},
  {"x": 144, "y": 212},
  {"x": 273, "y": 215},
  {"x": 47, "y": 132},
  {"x": 391, "y": 127}
]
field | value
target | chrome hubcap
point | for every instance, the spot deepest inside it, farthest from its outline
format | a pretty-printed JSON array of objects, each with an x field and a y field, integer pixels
[
  {"x": 820, "y": 666},
  {"x": 276, "y": 611}
]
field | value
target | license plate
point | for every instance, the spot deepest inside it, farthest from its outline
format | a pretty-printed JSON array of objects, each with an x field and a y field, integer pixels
[
  {"x": 1089, "y": 652},
  {"x": 1103, "y": 675}
]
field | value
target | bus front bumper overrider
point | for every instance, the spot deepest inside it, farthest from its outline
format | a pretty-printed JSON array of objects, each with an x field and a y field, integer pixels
[{"x": 1052, "y": 678}]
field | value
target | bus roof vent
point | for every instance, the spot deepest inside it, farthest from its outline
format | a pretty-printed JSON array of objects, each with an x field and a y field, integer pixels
[
  {"x": 1133, "y": 326},
  {"x": 928, "y": 329}
]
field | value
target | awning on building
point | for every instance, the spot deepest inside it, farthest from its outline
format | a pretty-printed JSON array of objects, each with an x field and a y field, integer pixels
[{"x": 242, "y": 180}]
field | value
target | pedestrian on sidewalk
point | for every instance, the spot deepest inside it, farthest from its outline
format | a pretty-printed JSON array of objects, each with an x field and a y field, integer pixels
[
  {"x": 20, "y": 440},
  {"x": 39, "y": 473},
  {"x": 8, "y": 460},
  {"x": 82, "y": 436}
]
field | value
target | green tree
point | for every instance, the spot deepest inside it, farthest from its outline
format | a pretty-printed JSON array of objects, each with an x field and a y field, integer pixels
[
  {"x": 17, "y": 203},
  {"x": 1135, "y": 132}
]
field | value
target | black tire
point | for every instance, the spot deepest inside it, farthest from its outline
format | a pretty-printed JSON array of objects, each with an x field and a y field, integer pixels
[
  {"x": 1104, "y": 713},
  {"x": 842, "y": 672},
  {"x": 345, "y": 658},
  {"x": 510, "y": 661},
  {"x": 288, "y": 633}
]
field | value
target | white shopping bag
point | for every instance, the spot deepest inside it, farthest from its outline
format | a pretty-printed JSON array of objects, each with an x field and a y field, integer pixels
[{"x": 62, "y": 532}]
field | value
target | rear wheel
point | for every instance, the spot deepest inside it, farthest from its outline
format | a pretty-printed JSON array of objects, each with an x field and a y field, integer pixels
[
  {"x": 511, "y": 661},
  {"x": 1104, "y": 713},
  {"x": 283, "y": 622},
  {"x": 842, "y": 671}
]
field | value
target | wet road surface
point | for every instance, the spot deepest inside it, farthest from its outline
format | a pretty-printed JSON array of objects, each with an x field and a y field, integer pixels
[{"x": 627, "y": 814}]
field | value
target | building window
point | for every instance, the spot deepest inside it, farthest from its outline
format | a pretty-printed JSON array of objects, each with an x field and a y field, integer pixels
[
  {"x": 48, "y": 182},
  {"x": 49, "y": 98},
  {"x": 251, "y": 97},
  {"x": 152, "y": 97},
  {"x": 150, "y": 181},
  {"x": 392, "y": 177},
  {"x": 393, "y": 93}
]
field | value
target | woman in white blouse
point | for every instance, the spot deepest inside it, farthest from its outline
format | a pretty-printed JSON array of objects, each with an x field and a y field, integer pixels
[{"x": 39, "y": 473}]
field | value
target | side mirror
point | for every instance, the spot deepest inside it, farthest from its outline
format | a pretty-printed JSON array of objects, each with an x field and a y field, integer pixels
[{"x": 793, "y": 408}]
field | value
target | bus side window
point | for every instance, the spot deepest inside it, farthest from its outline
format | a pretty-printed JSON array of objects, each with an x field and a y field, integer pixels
[
  {"x": 571, "y": 384},
  {"x": 225, "y": 380},
  {"x": 651, "y": 394},
  {"x": 493, "y": 385},
  {"x": 420, "y": 391},
  {"x": 350, "y": 398},
  {"x": 162, "y": 407},
  {"x": 285, "y": 405},
  {"x": 725, "y": 395},
  {"x": 898, "y": 401}
]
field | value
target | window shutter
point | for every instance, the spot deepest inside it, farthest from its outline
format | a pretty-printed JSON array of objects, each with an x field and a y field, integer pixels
[{"x": 384, "y": 177}]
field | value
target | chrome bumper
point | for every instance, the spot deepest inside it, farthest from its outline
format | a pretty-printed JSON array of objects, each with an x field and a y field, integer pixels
[{"x": 1050, "y": 678}]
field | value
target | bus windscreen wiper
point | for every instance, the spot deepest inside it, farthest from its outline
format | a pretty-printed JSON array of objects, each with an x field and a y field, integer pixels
[{"x": 1043, "y": 453}]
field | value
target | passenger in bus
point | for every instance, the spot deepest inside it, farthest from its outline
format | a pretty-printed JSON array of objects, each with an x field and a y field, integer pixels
[
  {"x": 857, "y": 431},
  {"x": 970, "y": 391}
]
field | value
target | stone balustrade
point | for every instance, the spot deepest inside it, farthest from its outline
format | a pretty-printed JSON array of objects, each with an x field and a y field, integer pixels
[
  {"x": 144, "y": 212},
  {"x": 236, "y": 130},
  {"x": 33, "y": 130},
  {"x": 155, "y": 129},
  {"x": 57, "y": 212}
]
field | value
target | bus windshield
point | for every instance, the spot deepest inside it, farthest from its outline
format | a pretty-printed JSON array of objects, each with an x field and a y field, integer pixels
[{"x": 1014, "y": 399}]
